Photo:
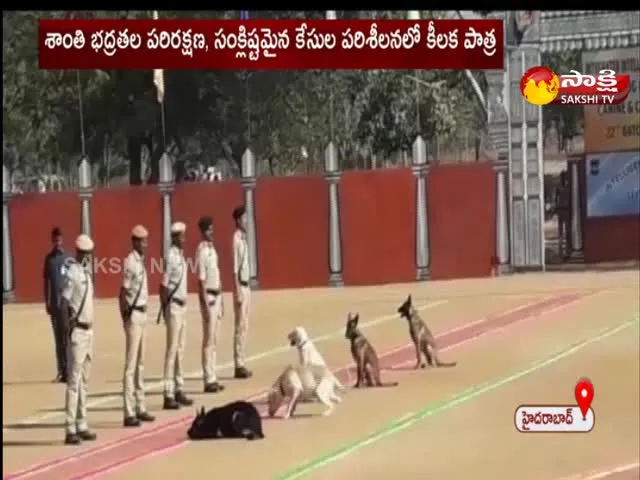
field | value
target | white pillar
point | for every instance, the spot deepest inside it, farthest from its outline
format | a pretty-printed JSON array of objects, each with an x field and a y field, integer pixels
[
  {"x": 249, "y": 185},
  {"x": 420, "y": 170},
  {"x": 333, "y": 175},
  {"x": 166, "y": 186},
  {"x": 85, "y": 192},
  {"x": 502, "y": 219},
  {"x": 7, "y": 257}
]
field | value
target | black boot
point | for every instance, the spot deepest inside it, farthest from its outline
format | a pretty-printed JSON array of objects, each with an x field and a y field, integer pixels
[
  {"x": 145, "y": 417},
  {"x": 183, "y": 400},
  {"x": 213, "y": 387},
  {"x": 72, "y": 439},
  {"x": 242, "y": 372},
  {"x": 87, "y": 436},
  {"x": 131, "y": 422},
  {"x": 170, "y": 404}
]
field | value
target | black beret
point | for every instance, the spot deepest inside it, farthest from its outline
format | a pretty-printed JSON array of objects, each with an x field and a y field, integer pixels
[
  {"x": 56, "y": 232},
  {"x": 239, "y": 211},
  {"x": 204, "y": 223}
]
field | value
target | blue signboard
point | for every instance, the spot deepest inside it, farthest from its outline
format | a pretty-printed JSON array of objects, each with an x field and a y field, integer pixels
[{"x": 613, "y": 184}]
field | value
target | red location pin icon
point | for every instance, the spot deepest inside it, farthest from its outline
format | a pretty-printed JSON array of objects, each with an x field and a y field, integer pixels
[{"x": 584, "y": 396}]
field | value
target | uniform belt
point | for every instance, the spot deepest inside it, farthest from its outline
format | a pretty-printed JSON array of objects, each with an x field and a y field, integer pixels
[
  {"x": 178, "y": 301},
  {"x": 140, "y": 308},
  {"x": 215, "y": 293},
  {"x": 83, "y": 326},
  {"x": 243, "y": 284}
]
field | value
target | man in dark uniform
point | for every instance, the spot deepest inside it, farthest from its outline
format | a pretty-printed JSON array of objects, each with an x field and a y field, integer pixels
[
  {"x": 563, "y": 211},
  {"x": 54, "y": 273}
]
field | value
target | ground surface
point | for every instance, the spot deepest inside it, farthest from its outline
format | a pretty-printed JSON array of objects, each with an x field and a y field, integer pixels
[{"x": 518, "y": 340}]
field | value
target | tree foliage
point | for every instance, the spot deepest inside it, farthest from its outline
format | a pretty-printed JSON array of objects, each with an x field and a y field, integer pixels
[{"x": 287, "y": 117}]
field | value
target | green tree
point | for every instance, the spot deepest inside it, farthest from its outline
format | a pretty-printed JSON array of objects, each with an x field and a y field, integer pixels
[{"x": 287, "y": 117}]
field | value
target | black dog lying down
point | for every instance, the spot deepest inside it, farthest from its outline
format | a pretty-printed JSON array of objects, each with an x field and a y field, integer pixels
[{"x": 234, "y": 420}]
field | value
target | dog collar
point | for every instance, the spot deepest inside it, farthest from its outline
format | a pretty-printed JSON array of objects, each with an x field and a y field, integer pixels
[{"x": 303, "y": 343}]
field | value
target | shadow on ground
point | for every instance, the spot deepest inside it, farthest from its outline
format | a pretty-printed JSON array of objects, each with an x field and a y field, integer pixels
[
  {"x": 33, "y": 426},
  {"x": 23, "y": 383},
  {"x": 57, "y": 425},
  {"x": 32, "y": 443}
]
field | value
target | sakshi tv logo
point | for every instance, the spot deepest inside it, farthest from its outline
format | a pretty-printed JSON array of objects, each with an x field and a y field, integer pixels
[{"x": 542, "y": 86}]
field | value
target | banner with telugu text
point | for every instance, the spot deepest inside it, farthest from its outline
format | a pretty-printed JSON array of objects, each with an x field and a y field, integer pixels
[
  {"x": 613, "y": 184},
  {"x": 613, "y": 128},
  {"x": 271, "y": 44}
]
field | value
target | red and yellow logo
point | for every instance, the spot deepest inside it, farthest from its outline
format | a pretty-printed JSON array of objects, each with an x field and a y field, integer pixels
[{"x": 540, "y": 85}]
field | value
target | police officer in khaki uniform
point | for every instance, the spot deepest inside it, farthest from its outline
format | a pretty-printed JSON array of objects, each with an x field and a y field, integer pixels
[
  {"x": 134, "y": 296},
  {"x": 173, "y": 297},
  {"x": 77, "y": 309},
  {"x": 241, "y": 291},
  {"x": 210, "y": 299}
]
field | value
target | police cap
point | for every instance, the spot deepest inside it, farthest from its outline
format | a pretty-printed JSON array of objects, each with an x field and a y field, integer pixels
[{"x": 84, "y": 243}]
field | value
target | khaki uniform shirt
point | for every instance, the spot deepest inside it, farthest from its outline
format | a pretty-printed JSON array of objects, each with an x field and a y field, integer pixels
[
  {"x": 176, "y": 271},
  {"x": 134, "y": 280},
  {"x": 208, "y": 270},
  {"x": 241, "y": 256},
  {"x": 77, "y": 282}
]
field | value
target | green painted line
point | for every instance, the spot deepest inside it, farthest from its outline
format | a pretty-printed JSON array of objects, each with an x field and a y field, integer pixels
[{"x": 407, "y": 421}]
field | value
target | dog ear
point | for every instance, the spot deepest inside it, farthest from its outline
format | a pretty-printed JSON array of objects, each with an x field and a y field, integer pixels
[
  {"x": 356, "y": 318},
  {"x": 349, "y": 317},
  {"x": 409, "y": 299},
  {"x": 202, "y": 413}
]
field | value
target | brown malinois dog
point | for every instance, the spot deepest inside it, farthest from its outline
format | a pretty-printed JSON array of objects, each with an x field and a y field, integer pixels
[
  {"x": 363, "y": 353},
  {"x": 421, "y": 337}
]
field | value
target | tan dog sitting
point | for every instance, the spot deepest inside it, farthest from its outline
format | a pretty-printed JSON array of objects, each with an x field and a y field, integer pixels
[
  {"x": 422, "y": 338},
  {"x": 364, "y": 356},
  {"x": 301, "y": 382}
]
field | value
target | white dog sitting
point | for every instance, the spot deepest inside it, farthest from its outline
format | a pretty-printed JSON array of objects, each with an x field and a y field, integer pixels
[{"x": 307, "y": 351}]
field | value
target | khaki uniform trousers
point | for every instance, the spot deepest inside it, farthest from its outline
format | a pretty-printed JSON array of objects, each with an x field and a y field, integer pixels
[
  {"x": 133, "y": 378},
  {"x": 174, "y": 353},
  {"x": 241, "y": 313},
  {"x": 79, "y": 355},
  {"x": 210, "y": 331}
]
